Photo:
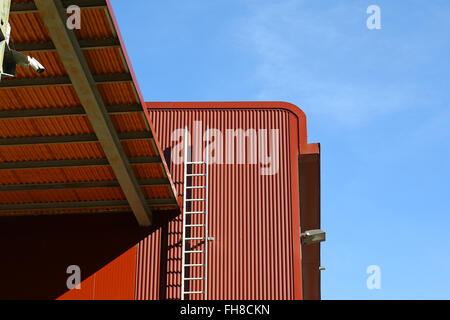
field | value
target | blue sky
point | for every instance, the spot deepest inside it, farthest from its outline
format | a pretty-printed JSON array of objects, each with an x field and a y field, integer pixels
[{"x": 376, "y": 100}]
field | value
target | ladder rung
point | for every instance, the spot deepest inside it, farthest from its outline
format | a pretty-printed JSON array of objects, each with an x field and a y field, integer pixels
[
  {"x": 202, "y": 251},
  {"x": 195, "y": 238},
  {"x": 196, "y": 187},
  {"x": 196, "y": 212},
  {"x": 193, "y": 265},
  {"x": 190, "y": 279},
  {"x": 190, "y": 200},
  {"x": 196, "y": 175},
  {"x": 194, "y": 292},
  {"x": 194, "y": 225}
]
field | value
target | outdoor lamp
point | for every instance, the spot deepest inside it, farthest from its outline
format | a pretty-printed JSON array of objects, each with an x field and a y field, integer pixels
[{"x": 312, "y": 237}]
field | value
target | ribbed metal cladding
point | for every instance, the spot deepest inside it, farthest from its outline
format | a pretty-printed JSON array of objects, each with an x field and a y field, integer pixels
[
  {"x": 148, "y": 268},
  {"x": 251, "y": 215}
]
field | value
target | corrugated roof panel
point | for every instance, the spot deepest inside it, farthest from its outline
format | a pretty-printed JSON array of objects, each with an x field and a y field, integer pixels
[
  {"x": 62, "y": 196},
  {"x": 143, "y": 171},
  {"x": 45, "y": 127},
  {"x": 117, "y": 94},
  {"x": 132, "y": 122},
  {"x": 52, "y": 152},
  {"x": 95, "y": 25},
  {"x": 105, "y": 61},
  {"x": 82, "y": 174},
  {"x": 139, "y": 148},
  {"x": 38, "y": 98},
  {"x": 28, "y": 28},
  {"x": 65, "y": 211},
  {"x": 66, "y": 126},
  {"x": 157, "y": 192}
]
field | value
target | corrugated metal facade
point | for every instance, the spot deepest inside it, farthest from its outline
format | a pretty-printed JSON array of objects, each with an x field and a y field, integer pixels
[{"x": 254, "y": 219}]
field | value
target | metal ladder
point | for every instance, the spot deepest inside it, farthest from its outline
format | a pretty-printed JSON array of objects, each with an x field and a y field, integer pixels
[{"x": 195, "y": 224}]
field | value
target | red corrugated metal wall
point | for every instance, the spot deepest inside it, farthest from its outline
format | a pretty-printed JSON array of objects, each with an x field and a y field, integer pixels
[{"x": 254, "y": 219}]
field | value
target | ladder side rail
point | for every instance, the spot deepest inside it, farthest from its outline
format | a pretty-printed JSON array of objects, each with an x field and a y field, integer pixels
[
  {"x": 206, "y": 216},
  {"x": 183, "y": 241}
]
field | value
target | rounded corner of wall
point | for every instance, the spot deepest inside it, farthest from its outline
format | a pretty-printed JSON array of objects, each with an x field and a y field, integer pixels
[
  {"x": 296, "y": 110},
  {"x": 298, "y": 113}
]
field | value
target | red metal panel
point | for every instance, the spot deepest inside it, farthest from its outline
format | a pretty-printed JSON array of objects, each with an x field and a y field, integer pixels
[
  {"x": 116, "y": 281},
  {"x": 148, "y": 268},
  {"x": 254, "y": 219}
]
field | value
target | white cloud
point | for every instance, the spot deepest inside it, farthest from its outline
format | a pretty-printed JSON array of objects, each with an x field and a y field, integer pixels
[{"x": 321, "y": 59}]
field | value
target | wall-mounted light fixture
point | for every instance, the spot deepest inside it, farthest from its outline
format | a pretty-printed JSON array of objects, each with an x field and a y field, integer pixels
[{"x": 312, "y": 237}]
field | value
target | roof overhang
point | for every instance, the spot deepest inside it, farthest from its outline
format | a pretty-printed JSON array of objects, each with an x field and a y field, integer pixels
[{"x": 76, "y": 139}]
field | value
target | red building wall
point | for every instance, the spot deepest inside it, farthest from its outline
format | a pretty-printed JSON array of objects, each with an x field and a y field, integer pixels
[{"x": 254, "y": 218}]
